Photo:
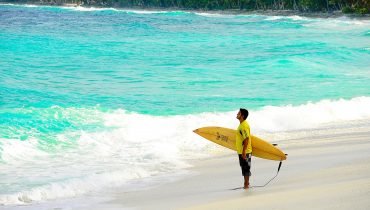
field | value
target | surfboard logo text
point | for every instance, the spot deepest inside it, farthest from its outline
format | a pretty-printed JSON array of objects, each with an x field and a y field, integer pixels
[{"x": 222, "y": 137}]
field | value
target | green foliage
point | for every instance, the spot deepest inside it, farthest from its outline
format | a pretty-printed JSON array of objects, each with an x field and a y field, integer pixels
[
  {"x": 348, "y": 10},
  {"x": 357, "y": 9},
  {"x": 362, "y": 11},
  {"x": 347, "y": 6}
]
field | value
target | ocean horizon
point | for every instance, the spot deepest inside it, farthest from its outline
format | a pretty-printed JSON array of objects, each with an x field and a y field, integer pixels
[{"x": 98, "y": 98}]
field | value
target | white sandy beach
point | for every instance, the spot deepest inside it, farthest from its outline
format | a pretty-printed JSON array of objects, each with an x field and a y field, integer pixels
[{"x": 327, "y": 171}]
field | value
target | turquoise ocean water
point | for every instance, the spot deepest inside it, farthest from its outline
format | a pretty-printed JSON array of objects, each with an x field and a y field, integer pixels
[{"x": 93, "y": 98}]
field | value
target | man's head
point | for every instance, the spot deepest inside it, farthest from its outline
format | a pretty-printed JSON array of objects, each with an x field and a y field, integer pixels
[{"x": 242, "y": 114}]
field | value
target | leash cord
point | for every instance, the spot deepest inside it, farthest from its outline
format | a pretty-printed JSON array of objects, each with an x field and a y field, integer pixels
[{"x": 270, "y": 179}]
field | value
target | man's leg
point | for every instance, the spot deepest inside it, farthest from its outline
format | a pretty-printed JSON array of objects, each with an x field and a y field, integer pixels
[
  {"x": 246, "y": 182},
  {"x": 247, "y": 171}
]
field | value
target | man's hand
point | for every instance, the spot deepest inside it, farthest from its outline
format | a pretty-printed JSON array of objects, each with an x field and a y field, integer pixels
[{"x": 244, "y": 155}]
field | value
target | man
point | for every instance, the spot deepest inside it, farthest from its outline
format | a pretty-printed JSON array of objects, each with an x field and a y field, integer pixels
[{"x": 244, "y": 145}]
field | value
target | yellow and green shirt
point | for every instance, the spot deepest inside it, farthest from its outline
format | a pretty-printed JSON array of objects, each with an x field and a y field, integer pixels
[{"x": 243, "y": 132}]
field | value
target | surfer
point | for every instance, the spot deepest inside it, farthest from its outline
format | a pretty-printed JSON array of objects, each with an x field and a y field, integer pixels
[{"x": 244, "y": 145}]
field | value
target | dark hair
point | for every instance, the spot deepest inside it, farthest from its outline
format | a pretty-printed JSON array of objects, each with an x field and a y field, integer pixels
[{"x": 244, "y": 112}]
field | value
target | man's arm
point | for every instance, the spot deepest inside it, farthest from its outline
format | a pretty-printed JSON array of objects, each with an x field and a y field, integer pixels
[{"x": 245, "y": 147}]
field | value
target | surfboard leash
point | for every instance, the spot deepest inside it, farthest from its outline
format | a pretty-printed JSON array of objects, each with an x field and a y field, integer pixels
[
  {"x": 281, "y": 162},
  {"x": 238, "y": 188}
]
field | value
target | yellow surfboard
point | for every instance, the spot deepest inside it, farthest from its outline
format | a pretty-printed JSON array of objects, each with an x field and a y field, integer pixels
[{"x": 226, "y": 137}]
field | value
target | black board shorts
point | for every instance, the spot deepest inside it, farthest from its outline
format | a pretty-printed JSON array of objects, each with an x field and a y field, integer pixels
[{"x": 245, "y": 164}]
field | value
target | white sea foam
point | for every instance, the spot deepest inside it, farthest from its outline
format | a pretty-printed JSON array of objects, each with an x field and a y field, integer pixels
[
  {"x": 7, "y": 4},
  {"x": 293, "y": 17},
  {"x": 340, "y": 23},
  {"x": 30, "y": 5},
  {"x": 148, "y": 11},
  {"x": 310, "y": 115},
  {"x": 89, "y": 9},
  {"x": 132, "y": 146},
  {"x": 130, "y": 11},
  {"x": 20, "y": 151},
  {"x": 214, "y": 15}
]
